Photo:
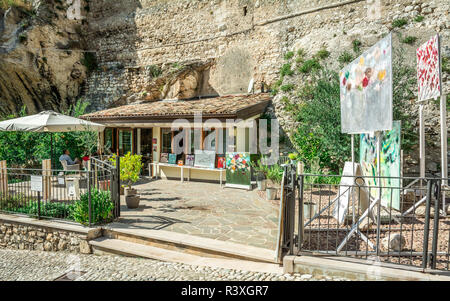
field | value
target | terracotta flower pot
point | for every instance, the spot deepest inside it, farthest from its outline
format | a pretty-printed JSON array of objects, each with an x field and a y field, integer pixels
[{"x": 130, "y": 192}]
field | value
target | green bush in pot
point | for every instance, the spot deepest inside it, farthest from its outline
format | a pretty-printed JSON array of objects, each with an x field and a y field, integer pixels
[{"x": 130, "y": 170}]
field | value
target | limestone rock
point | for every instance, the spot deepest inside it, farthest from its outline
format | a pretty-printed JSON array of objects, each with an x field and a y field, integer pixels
[
  {"x": 85, "y": 248},
  {"x": 395, "y": 242}
]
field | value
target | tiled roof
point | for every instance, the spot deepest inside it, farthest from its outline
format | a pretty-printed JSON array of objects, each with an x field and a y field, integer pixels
[{"x": 219, "y": 106}]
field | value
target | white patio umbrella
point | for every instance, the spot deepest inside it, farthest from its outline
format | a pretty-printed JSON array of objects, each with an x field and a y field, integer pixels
[{"x": 50, "y": 122}]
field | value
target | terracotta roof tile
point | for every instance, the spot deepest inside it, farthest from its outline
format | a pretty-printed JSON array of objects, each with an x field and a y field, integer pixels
[{"x": 224, "y": 105}]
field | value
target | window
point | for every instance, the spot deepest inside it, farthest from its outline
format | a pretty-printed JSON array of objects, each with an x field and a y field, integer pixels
[
  {"x": 125, "y": 142},
  {"x": 108, "y": 143},
  {"x": 209, "y": 140},
  {"x": 166, "y": 141}
]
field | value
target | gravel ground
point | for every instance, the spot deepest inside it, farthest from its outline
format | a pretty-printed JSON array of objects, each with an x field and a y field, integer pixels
[{"x": 36, "y": 265}]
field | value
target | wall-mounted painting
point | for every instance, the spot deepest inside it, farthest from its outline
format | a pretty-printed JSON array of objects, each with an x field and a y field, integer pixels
[
  {"x": 429, "y": 69},
  {"x": 205, "y": 158},
  {"x": 164, "y": 158},
  {"x": 238, "y": 172},
  {"x": 366, "y": 91},
  {"x": 389, "y": 162},
  {"x": 172, "y": 159},
  {"x": 190, "y": 160},
  {"x": 221, "y": 161}
]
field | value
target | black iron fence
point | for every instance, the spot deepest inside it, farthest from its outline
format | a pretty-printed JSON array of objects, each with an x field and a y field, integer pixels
[
  {"x": 408, "y": 225},
  {"x": 88, "y": 196}
]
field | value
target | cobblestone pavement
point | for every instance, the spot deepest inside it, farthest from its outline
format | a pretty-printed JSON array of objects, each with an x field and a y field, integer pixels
[
  {"x": 206, "y": 210},
  {"x": 37, "y": 265}
]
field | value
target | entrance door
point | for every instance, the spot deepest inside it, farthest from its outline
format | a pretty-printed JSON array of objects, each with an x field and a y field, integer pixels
[{"x": 146, "y": 148}]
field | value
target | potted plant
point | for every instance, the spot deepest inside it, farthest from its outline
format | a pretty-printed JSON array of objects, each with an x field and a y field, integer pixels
[
  {"x": 293, "y": 157},
  {"x": 130, "y": 169},
  {"x": 261, "y": 173},
  {"x": 275, "y": 176}
]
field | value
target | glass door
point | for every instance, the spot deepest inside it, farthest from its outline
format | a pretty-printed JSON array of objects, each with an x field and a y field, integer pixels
[{"x": 125, "y": 142}]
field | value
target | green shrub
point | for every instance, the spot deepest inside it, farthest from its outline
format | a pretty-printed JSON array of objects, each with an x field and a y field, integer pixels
[
  {"x": 287, "y": 87},
  {"x": 48, "y": 209},
  {"x": 318, "y": 136},
  {"x": 419, "y": 18},
  {"x": 288, "y": 55},
  {"x": 101, "y": 208},
  {"x": 397, "y": 23},
  {"x": 286, "y": 70},
  {"x": 309, "y": 66},
  {"x": 345, "y": 58},
  {"x": 409, "y": 40}
]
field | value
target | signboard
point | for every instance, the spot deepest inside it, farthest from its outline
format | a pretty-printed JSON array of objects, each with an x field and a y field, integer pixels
[
  {"x": 73, "y": 187},
  {"x": 238, "y": 172},
  {"x": 205, "y": 158},
  {"x": 429, "y": 69},
  {"x": 36, "y": 184},
  {"x": 366, "y": 91},
  {"x": 389, "y": 163}
]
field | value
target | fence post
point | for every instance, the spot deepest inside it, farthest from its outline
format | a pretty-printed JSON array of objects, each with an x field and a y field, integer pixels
[
  {"x": 436, "y": 225},
  {"x": 300, "y": 212},
  {"x": 426, "y": 228},
  {"x": 39, "y": 205},
  {"x": 118, "y": 184},
  {"x": 3, "y": 178},
  {"x": 89, "y": 192}
]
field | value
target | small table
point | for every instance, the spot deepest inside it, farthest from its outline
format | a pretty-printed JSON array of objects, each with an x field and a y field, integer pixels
[{"x": 183, "y": 167}]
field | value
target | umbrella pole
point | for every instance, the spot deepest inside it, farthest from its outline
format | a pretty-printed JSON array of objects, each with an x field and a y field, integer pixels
[{"x": 51, "y": 150}]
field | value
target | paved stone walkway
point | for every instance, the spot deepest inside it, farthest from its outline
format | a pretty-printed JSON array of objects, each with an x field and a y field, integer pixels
[
  {"x": 206, "y": 210},
  {"x": 36, "y": 265}
]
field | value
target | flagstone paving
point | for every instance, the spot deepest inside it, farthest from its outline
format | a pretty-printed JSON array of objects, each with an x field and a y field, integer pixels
[{"x": 206, "y": 210}]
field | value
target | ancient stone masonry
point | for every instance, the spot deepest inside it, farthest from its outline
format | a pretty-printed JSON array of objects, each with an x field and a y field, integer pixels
[{"x": 29, "y": 237}]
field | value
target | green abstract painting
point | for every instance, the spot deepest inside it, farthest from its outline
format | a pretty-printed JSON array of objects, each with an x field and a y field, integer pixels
[
  {"x": 389, "y": 162},
  {"x": 238, "y": 170}
]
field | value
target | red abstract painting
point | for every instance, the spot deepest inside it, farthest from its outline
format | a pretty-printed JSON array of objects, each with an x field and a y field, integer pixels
[{"x": 428, "y": 69}]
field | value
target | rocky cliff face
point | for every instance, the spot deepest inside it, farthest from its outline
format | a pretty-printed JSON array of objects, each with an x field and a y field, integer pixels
[
  {"x": 153, "y": 49},
  {"x": 40, "y": 58}
]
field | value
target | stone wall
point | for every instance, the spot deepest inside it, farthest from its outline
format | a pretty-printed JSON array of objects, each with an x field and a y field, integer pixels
[
  {"x": 32, "y": 236},
  {"x": 245, "y": 39}
]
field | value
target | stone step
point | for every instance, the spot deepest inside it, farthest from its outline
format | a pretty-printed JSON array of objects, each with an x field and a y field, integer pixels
[
  {"x": 200, "y": 246},
  {"x": 104, "y": 245}
]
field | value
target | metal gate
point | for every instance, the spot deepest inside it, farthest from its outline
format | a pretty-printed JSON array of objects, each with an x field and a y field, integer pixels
[{"x": 420, "y": 228}]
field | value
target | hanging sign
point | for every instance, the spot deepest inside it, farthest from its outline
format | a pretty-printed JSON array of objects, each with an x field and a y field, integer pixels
[{"x": 36, "y": 183}]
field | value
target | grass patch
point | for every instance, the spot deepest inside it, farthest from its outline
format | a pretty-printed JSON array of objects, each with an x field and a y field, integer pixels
[
  {"x": 445, "y": 65},
  {"x": 287, "y": 87},
  {"x": 154, "y": 71},
  {"x": 345, "y": 57},
  {"x": 419, "y": 18},
  {"x": 397, "y": 23},
  {"x": 322, "y": 54},
  {"x": 289, "y": 55},
  {"x": 23, "y": 37},
  {"x": 309, "y": 66},
  {"x": 286, "y": 70},
  {"x": 410, "y": 40},
  {"x": 356, "y": 46}
]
